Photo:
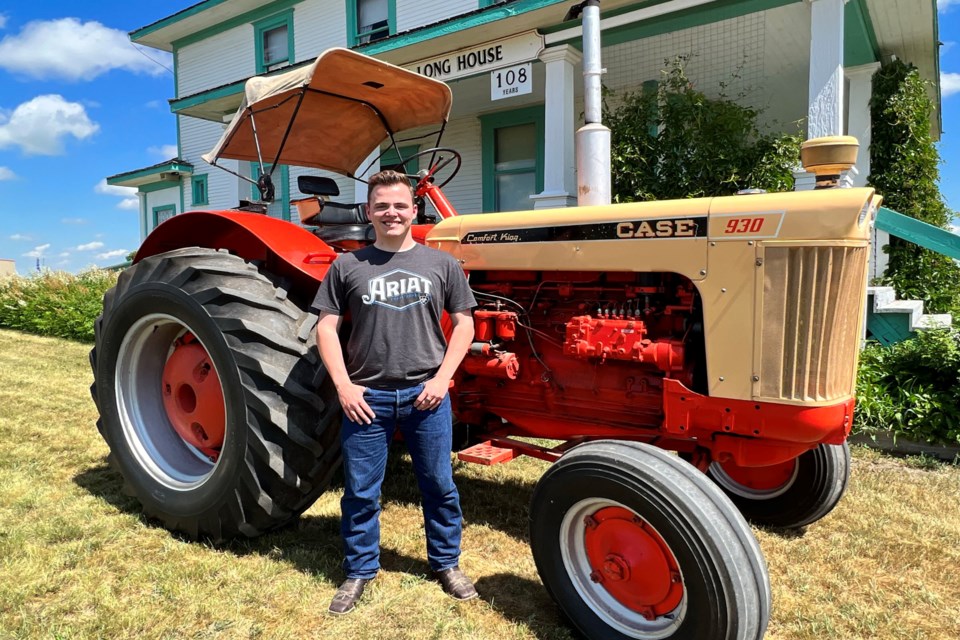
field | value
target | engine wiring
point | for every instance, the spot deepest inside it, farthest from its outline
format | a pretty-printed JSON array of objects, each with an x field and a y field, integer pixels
[{"x": 529, "y": 330}]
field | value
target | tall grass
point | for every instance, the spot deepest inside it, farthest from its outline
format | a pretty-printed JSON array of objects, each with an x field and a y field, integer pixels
[
  {"x": 78, "y": 560},
  {"x": 54, "y": 303}
]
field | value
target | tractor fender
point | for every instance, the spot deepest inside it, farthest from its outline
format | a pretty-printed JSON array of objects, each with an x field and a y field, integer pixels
[{"x": 282, "y": 248}]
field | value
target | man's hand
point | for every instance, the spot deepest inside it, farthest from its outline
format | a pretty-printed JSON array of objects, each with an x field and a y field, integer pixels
[
  {"x": 434, "y": 391},
  {"x": 354, "y": 406},
  {"x": 350, "y": 395}
]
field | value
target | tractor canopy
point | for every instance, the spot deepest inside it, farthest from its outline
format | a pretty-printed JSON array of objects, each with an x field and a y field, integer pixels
[{"x": 331, "y": 114}]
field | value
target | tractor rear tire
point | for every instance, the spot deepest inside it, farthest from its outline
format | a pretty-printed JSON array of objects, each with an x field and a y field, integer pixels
[
  {"x": 270, "y": 401},
  {"x": 807, "y": 489},
  {"x": 632, "y": 542}
]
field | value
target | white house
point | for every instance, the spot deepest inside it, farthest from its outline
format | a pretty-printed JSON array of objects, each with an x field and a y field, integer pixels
[{"x": 809, "y": 60}]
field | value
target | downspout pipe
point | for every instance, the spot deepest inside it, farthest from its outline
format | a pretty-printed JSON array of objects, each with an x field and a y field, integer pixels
[{"x": 593, "y": 139}]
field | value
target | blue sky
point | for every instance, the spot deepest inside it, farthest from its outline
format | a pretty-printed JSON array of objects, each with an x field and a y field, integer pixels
[{"x": 79, "y": 102}]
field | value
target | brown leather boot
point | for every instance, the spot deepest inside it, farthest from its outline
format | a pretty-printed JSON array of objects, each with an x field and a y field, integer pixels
[
  {"x": 347, "y": 596},
  {"x": 455, "y": 584}
]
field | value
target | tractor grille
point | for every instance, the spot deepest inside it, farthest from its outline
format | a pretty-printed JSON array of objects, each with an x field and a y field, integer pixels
[{"x": 812, "y": 312}]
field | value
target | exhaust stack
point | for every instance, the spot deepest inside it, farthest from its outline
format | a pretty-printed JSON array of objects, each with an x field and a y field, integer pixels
[{"x": 593, "y": 139}]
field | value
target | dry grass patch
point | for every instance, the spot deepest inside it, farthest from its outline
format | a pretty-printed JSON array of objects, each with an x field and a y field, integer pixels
[{"x": 77, "y": 559}]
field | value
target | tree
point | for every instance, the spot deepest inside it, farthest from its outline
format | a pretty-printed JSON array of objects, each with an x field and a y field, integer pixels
[
  {"x": 675, "y": 142},
  {"x": 905, "y": 170}
]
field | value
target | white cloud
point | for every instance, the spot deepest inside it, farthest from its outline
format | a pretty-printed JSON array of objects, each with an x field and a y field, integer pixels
[
  {"x": 90, "y": 246},
  {"x": 109, "y": 255},
  {"x": 73, "y": 221},
  {"x": 38, "y": 252},
  {"x": 39, "y": 126},
  {"x": 3, "y": 21},
  {"x": 19, "y": 236},
  {"x": 943, "y": 5},
  {"x": 64, "y": 254},
  {"x": 6, "y": 174},
  {"x": 113, "y": 190},
  {"x": 164, "y": 151},
  {"x": 129, "y": 194},
  {"x": 949, "y": 84},
  {"x": 69, "y": 49}
]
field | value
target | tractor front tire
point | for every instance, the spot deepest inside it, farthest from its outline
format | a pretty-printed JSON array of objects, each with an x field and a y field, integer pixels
[
  {"x": 631, "y": 542},
  {"x": 792, "y": 494},
  {"x": 212, "y": 397}
]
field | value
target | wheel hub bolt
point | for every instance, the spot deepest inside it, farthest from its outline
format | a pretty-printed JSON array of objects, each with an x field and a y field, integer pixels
[
  {"x": 615, "y": 568},
  {"x": 596, "y": 576}
]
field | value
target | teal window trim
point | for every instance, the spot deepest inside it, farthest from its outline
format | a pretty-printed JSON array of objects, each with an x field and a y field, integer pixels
[
  {"x": 261, "y": 12},
  {"x": 391, "y": 157},
  {"x": 261, "y": 27},
  {"x": 489, "y": 124},
  {"x": 283, "y": 184},
  {"x": 158, "y": 186},
  {"x": 486, "y": 3},
  {"x": 159, "y": 209},
  {"x": 353, "y": 37},
  {"x": 199, "y": 191}
]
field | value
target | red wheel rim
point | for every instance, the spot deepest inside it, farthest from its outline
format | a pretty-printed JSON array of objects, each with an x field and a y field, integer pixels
[
  {"x": 632, "y": 562},
  {"x": 193, "y": 396},
  {"x": 764, "y": 479}
]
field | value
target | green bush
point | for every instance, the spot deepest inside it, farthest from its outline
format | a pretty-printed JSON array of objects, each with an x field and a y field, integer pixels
[
  {"x": 55, "y": 303},
  {"x": 912, "y": 388},
  {"x": 905, "y": 169},
  {"x": 676, "y": 142}
]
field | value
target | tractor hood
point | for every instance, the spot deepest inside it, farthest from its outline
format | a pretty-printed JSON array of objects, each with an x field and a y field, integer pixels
[{"x": 331, "y": 114}]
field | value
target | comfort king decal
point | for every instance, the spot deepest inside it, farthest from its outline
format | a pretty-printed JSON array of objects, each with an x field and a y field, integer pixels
[{"x": 686, "y": 227}]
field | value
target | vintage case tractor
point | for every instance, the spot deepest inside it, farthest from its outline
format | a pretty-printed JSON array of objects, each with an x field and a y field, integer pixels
[{"x": 724, "y": 329}]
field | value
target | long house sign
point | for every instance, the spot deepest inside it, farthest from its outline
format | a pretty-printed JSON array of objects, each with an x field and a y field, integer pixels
[{"x": 522, "y": 47}]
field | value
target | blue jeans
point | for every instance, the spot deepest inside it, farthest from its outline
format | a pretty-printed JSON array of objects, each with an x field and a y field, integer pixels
[{"x": 428, "y": 435}]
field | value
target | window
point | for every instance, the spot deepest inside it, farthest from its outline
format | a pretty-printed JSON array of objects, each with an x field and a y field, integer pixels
[
  {"x": 198, "y": 186},
  {"x": 280, "y": 207},
  {"x": 512, "y": 159},
  {"x": 390, "y": 160},
  {"x": 274, "y": 42},
  {"x": 163, "y": 212},
  {"x": 370, "y": 20}
]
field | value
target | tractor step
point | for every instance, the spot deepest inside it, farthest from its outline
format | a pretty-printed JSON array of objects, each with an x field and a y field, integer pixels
[{"x": 486, "y": 453}]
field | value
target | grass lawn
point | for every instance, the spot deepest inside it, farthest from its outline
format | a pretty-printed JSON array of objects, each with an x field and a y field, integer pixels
[{"x": 77, "y": 560}]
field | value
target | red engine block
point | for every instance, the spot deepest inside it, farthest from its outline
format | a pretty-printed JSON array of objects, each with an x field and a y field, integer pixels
[{"x": 620, "y": 339}]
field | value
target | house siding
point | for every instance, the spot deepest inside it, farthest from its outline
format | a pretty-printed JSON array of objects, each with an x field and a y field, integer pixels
[
  {"x": 317, "y": 26},
  {"x": 416, "y": 13},
  {"x": 197, "y": 138},
  {"x": 161, "y": 198},
  {"x": 220, "y": 59}
]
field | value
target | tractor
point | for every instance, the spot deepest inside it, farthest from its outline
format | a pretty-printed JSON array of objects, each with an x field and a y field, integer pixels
[{"x": 686, "y": 366}]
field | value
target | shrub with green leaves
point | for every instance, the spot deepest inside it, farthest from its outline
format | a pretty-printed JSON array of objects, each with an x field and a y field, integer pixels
[
  {"x": 904, "y": 166},
  {"x": 54, "y": 303},
  {"x": 912, "y": 388},
  {"x": 675, "y": 142}
]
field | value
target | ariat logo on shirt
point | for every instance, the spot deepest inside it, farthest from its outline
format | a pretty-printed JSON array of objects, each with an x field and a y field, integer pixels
[{"x": 398, "y": 289}]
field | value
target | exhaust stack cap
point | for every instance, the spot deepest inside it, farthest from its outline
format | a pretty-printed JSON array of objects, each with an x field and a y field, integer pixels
[{"x": 828, "y": 157}]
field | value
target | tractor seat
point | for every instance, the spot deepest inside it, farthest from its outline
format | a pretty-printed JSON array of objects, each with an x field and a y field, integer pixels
[
  {"x": 335, "y": 213},
  {"x": 338, "y": 223}
]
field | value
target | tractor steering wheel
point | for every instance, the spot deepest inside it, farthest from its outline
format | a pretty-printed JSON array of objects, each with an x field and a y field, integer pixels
[{"x": 440, "y": 164}]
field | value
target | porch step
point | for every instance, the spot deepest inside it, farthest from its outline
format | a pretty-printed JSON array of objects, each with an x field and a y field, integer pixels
[
  {"x": 486, "y": 453},
  {"x": 890, "y": 320}
]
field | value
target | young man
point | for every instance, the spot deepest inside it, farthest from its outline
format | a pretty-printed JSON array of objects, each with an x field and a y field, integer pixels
[{"x": 396, "y": 374}]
